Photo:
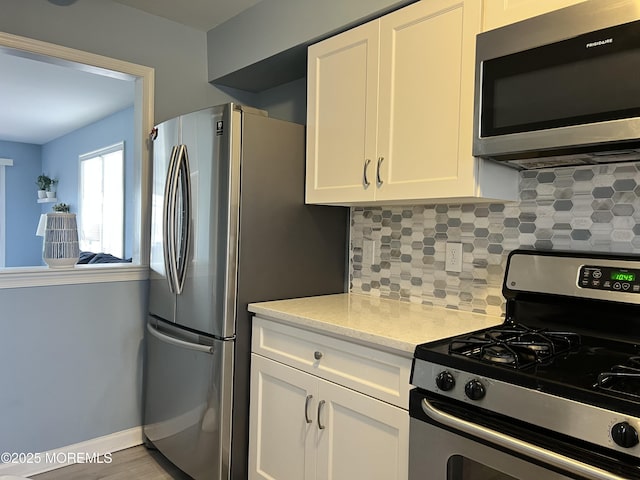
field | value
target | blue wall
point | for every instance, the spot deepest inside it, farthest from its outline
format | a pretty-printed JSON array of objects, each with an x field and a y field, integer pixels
[
  {"x": 72, "y": 363},
  {"x": 60, "y": 160},
  {"x": 104, "y": 397},
  {"x": 22, "y": 211}
]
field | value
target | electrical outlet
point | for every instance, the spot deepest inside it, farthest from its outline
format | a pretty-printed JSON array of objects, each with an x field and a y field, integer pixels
[
  {"x": 453, "y": 257},
  {"x": 368, "y": 252}
]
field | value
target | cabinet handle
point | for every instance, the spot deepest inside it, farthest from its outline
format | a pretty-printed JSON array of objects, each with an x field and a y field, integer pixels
[
  {"x": 320, "y": 405},
  {"x": 317, "y": 355},
  {"x": 379, "y": 181},
  {"x": 306, "y": 408},
  {"x": 365, "y": 180}
]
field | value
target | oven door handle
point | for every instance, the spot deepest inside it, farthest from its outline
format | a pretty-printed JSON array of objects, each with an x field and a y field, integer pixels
[{"x": 533, "y": 451}]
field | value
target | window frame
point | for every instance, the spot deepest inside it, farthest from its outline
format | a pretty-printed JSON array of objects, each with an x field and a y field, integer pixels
[
  {"x": 4, "y": 162},
  {"x": 101, "y": 152},
  {"x": 143, "y": 78}
]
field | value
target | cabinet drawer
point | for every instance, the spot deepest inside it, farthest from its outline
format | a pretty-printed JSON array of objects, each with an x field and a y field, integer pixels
[{"x": 367, "y": 370}]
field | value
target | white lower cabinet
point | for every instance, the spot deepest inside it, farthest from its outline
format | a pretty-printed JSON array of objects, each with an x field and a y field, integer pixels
[
  {"x": 303, "y": 427},
  {"x": 362, "y": 437},
  {"x": 280, "y": 439}
]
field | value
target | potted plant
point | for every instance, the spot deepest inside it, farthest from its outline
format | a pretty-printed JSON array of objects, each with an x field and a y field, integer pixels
[
  {"x": 61, "y": 208},
  {"x": 43, "y": 182},
  {"x": 51, "y": 190}
]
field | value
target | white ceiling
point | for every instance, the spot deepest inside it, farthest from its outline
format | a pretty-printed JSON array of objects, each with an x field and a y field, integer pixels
[{"x": 42, "y": 101}]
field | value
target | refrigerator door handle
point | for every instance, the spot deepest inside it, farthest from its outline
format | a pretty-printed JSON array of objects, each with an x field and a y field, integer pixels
[
  {"x": 168, "y": 222},
  {"x": 183, "y": 175},
  {"x": 179, "y": 343}
]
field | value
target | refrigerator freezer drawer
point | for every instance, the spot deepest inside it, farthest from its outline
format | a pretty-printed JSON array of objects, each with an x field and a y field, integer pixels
[{"x": 187, "y": 404}]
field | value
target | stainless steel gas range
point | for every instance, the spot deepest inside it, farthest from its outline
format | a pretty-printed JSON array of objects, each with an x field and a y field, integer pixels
[{"x": 553, "y": 393}]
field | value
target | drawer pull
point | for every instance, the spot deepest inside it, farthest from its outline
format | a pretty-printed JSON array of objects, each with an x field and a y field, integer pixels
[
  {"x": 317, "y": 355},
  {"x": 320, "y": 405},
  {"x": 306, "y": 408}
]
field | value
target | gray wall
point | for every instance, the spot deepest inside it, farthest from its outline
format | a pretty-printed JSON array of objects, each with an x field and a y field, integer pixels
[
  {"x": 274, "y": 26},
  {"x": 71, "y": 355},
  {"x": 177, "y": 53},
  {"x": 71, "y": 359},
  {"x": 285, "y": 102}
]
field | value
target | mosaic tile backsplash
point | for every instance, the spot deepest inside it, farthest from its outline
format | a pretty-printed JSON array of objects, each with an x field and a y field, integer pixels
[{"x": 583, "y": 208}]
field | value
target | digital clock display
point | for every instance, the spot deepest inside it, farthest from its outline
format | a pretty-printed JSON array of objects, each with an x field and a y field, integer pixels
[{"x": 623, "y": 276}]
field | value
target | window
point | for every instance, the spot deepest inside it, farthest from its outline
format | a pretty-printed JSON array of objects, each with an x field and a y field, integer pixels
[
  {"x": 101, "y": 212},
  {"x": 141, "y": 77}
]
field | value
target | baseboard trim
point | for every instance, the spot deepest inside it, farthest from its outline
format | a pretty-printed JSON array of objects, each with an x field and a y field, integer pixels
[{"x": 96, "y": 450}]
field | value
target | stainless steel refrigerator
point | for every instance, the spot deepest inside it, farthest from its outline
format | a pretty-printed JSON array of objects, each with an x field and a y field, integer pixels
[{"x": 229, "y": 227}]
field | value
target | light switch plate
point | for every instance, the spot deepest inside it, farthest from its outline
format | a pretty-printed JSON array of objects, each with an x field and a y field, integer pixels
[
  {"x": 368, "y": 252},
  {"x": 453, "y": 257}
]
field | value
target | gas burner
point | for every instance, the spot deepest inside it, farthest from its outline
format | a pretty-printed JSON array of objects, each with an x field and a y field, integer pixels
[
  {"x": 515, "y": 345},
  {"x": 507, "y": 354},
  {"x": 498, "y": 354}
]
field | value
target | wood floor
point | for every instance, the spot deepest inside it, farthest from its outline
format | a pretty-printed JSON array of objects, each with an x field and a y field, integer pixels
[{"x": 137, "y": 463}]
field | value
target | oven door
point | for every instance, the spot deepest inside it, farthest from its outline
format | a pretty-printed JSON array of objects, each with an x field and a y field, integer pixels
[
  {"x": 437, "y": 454},
  {"x": 451, "y": 443}
]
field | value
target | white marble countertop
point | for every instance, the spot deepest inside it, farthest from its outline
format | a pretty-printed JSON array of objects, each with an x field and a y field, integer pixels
[{"x": 382, "y": 323}]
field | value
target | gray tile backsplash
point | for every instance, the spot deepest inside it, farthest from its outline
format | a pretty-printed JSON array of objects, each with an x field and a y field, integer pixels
[{"x": 583, "y": 208}]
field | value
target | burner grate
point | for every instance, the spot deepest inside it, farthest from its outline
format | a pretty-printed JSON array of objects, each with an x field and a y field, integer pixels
[
  {"x": 515, "y": 346},
  {"x": 623, "y": 379}
]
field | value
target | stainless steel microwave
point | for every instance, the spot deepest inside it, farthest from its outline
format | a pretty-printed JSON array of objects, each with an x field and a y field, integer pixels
[{"x": 562, "y": 88}]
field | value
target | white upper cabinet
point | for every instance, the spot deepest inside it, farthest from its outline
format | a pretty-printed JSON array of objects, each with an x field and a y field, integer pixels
[
  {"x": 342, "y": 115},
  {"x": 498, "y": 13},
  {"x": 390, "y": 111}
]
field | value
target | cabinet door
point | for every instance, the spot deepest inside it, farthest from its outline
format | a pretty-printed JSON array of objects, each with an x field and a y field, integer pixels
[
  {"x": 498, "y": 13},
  {"x": 427, "y": 53},
  {"x": 280, "y": 436},
  {"x": 341, "y": 116},
  {"x": 362, "y": 437}
]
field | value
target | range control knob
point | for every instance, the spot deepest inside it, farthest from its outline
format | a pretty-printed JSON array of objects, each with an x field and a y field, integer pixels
[
  {"x": 475, "y": 390},
  {"x": 445, "y": 381},
  {"x": 624, "y": 435}
]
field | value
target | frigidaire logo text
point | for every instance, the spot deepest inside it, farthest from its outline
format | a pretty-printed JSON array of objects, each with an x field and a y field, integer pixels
[{"x": 599, "y": 43}]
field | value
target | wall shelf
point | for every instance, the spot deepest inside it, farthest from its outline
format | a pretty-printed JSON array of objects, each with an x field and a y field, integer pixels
[{"x": 47, "y": 200}]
